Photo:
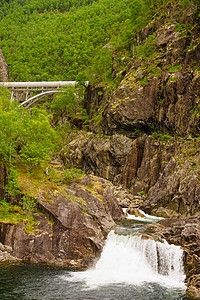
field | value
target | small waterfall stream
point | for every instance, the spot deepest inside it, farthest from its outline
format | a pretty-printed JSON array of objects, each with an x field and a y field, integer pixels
[{"x": 132, "y": 257}]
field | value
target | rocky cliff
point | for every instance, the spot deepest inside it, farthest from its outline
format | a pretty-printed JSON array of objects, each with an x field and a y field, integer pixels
[
  {"x": 160, "y": 91},
  {"x": 70, "y": 224},
  {"x": 161, "y": 171}
]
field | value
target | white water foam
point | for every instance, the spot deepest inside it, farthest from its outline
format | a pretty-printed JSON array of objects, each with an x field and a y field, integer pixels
[
  {"x": 135, "y": 260},
  {"x": 146, "y": 218}
]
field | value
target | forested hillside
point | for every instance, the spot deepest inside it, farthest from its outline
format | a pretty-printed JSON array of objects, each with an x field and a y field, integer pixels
[{"x": 57, "y": 40}]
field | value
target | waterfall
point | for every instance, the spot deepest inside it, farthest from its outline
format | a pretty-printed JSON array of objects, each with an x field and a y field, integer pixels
[{"x": 133, "y": 259}]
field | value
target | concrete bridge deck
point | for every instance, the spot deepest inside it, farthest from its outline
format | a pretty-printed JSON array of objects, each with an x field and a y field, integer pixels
[{"x": 46, "y": 87}]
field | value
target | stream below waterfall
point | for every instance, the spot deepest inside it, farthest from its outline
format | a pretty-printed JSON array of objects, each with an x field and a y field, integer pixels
[{"x": 131, "y": 267}]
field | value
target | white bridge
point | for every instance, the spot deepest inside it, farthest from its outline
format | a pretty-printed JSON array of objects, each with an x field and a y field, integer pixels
[{"x": 45, "y": 87}]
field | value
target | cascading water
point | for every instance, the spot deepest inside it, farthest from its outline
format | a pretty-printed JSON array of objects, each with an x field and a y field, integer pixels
[
  {"x": 136, "y": 259},
  {"x": 132, "y": 266}
]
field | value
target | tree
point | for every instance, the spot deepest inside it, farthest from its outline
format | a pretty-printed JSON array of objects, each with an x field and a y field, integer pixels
[{"x": 26, "y": 136}]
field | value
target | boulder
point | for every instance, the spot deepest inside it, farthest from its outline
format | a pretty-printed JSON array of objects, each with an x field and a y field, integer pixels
[
  {"x": 99, "y": 155},
  {"x": 5, "y": 255},
  {"x": 135, "y": 212}
]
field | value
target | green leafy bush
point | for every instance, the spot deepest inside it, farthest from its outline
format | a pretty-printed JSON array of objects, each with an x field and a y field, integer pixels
[
  {"x": 147, "y": 49},
  {"x": 26, "y": 136}
]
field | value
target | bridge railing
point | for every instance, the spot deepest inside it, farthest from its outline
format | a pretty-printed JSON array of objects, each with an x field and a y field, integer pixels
[
  {"x": 38, "y": 85},
  {"x": 44, "y": 86}
]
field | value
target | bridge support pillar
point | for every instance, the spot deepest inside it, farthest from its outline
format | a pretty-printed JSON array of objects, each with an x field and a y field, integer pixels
[{"x": 12, "y": 97}]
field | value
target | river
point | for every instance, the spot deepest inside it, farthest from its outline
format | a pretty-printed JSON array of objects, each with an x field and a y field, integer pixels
[{"x": 131, "y": 267}]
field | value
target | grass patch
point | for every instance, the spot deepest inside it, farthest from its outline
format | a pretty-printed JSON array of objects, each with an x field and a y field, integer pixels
[
  {"x": 162, "y": 137},
  {"x": 12, "y": 214}
]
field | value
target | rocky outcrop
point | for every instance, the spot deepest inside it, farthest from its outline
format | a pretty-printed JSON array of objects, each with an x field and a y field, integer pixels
[
  {"x": 176, "y": 192},
  {"x": 5, "y": 255},
  {"x": 72, "y": 227},
  {"x": 99, "y": 155},
  {"x": 184, "y": 232},
  {"x": 4, "y": 75},
  {"x": 160, "y": 91}
]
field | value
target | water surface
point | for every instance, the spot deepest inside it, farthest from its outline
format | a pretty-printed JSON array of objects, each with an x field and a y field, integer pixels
[{"x": 36, "y": 282}]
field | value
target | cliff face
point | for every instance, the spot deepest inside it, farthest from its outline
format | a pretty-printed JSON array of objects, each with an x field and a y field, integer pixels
[
  {"x": 4, "y": 75},
  {"x": 163, "y": 174},
  {"x": 160, "y": 91}
]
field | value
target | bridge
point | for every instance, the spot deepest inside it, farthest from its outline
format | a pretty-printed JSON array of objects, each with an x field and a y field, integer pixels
[{"x": 44, "y": 87}]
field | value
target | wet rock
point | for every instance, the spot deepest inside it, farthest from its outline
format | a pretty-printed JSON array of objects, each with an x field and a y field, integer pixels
[
  {"x": 135, "y": 212},
  {"x": 193, "y": 289},
  {"x": 6, "y": 256},
  {"x": 123, "y": 196},
  {"x": 184, "y": 232}
]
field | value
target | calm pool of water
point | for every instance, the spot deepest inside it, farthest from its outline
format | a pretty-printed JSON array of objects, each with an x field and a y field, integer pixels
[{"x": 38, "y": 282}]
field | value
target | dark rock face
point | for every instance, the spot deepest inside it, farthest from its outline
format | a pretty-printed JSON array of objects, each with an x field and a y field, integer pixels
[
  {"x": 4, "y": 75},
  {"x": 73, "y": 227},
  {"x": 102, "y": 156},
  {"x": 165, "y": 173},
  {"x": 176, "y": 192},
  {"x": 184, "y": 232}
]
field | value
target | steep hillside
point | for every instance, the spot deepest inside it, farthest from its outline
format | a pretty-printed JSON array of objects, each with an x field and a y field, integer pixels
[
  {"x": 57, "y": 40},
  {"x": 160, "y": 86}
]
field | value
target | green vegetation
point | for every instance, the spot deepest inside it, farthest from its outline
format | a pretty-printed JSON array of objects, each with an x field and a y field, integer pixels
[
  {"x": 147, "y": 49},
  {"x": 72, "y": 174},
  {"x": 57, "y": 40},
  {"x": 174, "y": 68},
  {"x": 68, "y": 40},
  {"x": 12, "y": 214},
  {"x": 69, "y": 103},
  {"x": 26, "y": 136},
  {"x": 162, "y": 137}
]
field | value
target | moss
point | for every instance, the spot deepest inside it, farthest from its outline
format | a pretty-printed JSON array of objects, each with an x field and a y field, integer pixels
[{"x": 30, "y": 226}]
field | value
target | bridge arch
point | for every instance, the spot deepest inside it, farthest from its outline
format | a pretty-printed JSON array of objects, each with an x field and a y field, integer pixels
[{"x": 28, "y": 102}]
